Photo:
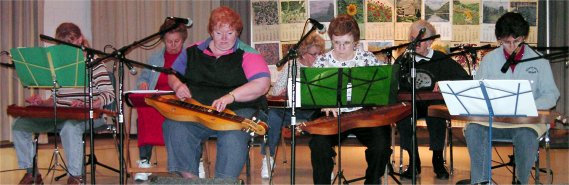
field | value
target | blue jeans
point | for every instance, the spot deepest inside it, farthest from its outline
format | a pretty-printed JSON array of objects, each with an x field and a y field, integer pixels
[
  {"x": 278, "y": 116},
  {"x": 525, "y": 141},
  {"x": 183, "y": 145},
  {"x": 71, "y": 132}
]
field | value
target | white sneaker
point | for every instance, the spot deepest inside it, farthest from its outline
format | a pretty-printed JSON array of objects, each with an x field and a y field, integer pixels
[
  {"x": 264, "y": 170},
  {"x": 142, "y": 176},
  {"x": 332, "y": 176},
  {"x": 201, "y": 171}
]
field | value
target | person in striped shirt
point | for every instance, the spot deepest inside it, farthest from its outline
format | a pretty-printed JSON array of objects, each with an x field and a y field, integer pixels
[{"x": 71, "y": 131}]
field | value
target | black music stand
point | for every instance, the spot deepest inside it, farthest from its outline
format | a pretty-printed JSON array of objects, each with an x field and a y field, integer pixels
[
  {"x": 40, "y": 67},
  {"x": 489, "y": 98},
  {"x": 344, "y": 88}
]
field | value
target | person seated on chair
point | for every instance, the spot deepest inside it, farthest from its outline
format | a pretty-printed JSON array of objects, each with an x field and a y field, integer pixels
[
  {"x": 71, "y": 131},
  {"x": 511, "y": 31},
  {"x": 308, "y": 50},
  {"x": 223, "y": 72},
  {"x": 345, "y": 34},
  {"x": 431, "y": 66},
  {"x": 149, "y": 119}
]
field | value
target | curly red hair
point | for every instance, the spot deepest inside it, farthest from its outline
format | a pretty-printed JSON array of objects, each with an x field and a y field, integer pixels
[{"x": 224, "y": 15}]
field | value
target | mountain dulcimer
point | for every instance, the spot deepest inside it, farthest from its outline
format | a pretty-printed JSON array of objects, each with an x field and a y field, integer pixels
[
  {"x": 191, "y": 110},
  {"x": 365, "y": 117}
]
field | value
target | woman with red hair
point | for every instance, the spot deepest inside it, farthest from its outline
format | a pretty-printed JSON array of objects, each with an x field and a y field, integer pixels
[{"x": 223, "y": 72}]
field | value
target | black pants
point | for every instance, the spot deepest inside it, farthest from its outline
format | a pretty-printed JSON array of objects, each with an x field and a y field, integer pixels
[
  {"x": 436, "y": 127},
  {"x": 376, "y": 139}
]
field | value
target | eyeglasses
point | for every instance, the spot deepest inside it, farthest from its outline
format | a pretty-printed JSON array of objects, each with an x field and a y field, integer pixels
[
  {"x": 516, "y": 42},
  {"x": 343, "y": 44},
  {"x": 313, "y": 54}
]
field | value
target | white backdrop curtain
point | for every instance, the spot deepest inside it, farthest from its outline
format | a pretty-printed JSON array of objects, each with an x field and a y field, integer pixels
[{"x": 21, "y": 22}]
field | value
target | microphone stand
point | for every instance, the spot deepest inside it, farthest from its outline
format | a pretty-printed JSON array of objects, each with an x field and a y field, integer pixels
[
  {"x": 89, "y": 74},
  {"x": 389, "y": 49},
  {"x": 411, "y": 47},
  {"x": 411, "y": 57},
  {"x": 293, "y": 53},
  {"x": 411, "y": 53},
  {"x": 120, "y": 55}
]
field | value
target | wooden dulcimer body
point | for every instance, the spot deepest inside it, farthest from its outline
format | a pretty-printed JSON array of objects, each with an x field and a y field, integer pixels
[
  {"x": 191, "y": 110},
  {"x": 544, "y": 117},
  {"x": 62, "y": 112},
  {"x": 366, "y": 117}
]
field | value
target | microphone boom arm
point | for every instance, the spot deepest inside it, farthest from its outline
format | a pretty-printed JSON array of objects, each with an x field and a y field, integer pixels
[
  {"x": 292, "y": 52},
  {"x": 406, "y": 44}
]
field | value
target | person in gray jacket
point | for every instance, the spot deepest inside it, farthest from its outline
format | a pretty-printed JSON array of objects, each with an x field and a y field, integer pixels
[{"x": 511, "y": 31}]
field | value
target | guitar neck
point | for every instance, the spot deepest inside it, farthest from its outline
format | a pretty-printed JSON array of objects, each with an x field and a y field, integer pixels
[{"x": 206, "y": 110}]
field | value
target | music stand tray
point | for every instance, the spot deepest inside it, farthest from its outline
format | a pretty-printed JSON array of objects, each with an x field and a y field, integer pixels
[{"x": 489, "y": 98}]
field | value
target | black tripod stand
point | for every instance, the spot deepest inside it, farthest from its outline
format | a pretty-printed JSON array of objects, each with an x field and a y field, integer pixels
[{"x": 54, "y": 163}]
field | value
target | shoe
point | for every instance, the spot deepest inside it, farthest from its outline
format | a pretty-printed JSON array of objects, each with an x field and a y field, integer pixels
[
  {"x": 29, "y": 179},
  {"x": 74, "y": 180},
  {"x": 332, "y": 176},
  {"x": 142, "y": 176},
  {"x": 407, "y": 173},
  {"x": 264, "y": 170},
  {"x": 201, "y": 170},
  {"x": 441, "y": 172},
  {"x": 439, "y": 166},
  {"x": 463, "y": 182}
]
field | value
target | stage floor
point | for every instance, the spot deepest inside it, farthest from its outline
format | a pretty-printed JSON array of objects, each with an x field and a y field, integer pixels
[{"x": 353, "y": 164}]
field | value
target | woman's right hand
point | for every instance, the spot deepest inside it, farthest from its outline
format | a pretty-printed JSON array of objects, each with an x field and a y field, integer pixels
[{"x": 330, "y": 111}]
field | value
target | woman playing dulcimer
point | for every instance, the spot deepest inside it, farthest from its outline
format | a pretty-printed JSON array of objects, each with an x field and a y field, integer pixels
[
  {"x": 223, "y": 72},
  {"x": 345, "y": 34}
]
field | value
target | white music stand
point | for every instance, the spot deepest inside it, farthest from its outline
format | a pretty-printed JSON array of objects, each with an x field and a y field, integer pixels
[{"x": 489, "y": 98}]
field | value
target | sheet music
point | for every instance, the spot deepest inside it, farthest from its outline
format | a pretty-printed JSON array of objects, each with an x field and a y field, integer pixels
[{"x": 508, "y": 97}]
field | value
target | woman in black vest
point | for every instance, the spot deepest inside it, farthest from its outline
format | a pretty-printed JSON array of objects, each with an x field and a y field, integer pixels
[{"x": 223, "y": 72}]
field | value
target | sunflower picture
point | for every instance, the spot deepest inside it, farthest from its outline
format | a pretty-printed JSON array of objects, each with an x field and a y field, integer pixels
[{"x": 354, "y": 8}]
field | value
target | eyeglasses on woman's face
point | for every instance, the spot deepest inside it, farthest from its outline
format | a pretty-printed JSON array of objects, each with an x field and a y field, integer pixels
[{"x": 342, "y": 43}]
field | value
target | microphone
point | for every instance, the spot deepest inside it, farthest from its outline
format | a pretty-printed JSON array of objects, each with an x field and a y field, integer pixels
[
  {"x": 6, "y": 64},
  {"x": 510, "y": 59},
  {"x": 187, "y": 21},
  {"x": 417, "y": 39},
  {"x": 318, "y": 25},
  {"x": 131, "y": 69}
]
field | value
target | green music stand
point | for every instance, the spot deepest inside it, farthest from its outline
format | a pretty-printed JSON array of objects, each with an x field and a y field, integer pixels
[
  {"x": 347, "y": 87},
  {"x": 50, "y": 67},
  {"x": 39, "y": 67}
]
